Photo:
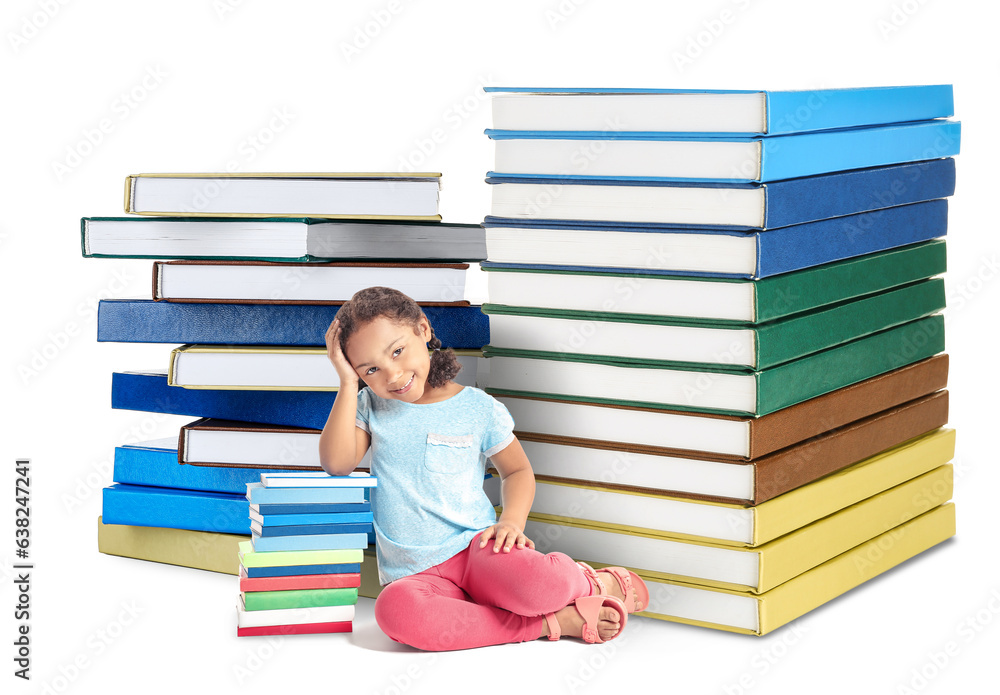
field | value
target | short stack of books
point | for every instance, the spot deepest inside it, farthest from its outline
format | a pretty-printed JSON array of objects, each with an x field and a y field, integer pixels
[
  {"x": 715, "y": 318},
  {"x": 249, "y": 271},
  {"x": 301, "y": 571}
]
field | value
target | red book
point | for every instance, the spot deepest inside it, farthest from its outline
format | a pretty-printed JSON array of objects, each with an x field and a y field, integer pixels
[{"x": 302, "y": 629}]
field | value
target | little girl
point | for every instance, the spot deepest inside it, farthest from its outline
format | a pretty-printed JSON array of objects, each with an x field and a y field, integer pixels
[{"x": 448, "y": 586}]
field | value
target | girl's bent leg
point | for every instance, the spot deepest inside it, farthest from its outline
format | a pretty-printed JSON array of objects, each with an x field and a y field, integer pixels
[
  {"x": 430, "y": 612},
  {"x": 523, "y": 581}
]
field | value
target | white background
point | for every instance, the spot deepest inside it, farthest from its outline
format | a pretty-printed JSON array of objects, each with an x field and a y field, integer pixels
[{"x": 209, "y": 75}]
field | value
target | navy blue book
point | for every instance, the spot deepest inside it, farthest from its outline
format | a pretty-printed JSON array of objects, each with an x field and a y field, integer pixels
[
  {"x": 139, "y": 505},
  {"x": 735, "y": 205},
  {"x": 154, "y": 464},
  {"x": 149, "y": 392},
  {"x": 294, "y": 570},
  {"x": 645, "y": 249},
  {"x": 148, "y": 321}
]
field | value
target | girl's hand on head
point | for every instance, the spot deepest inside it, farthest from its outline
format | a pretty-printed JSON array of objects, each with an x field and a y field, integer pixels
[
  {"x": 344, "y": 369},
  {"x": 505, "y": 535}
]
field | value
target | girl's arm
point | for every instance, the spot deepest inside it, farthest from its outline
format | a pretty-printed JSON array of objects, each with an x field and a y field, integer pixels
[
  {"x": 342, "y": 444},
  {"x": 517, "y": 492}
]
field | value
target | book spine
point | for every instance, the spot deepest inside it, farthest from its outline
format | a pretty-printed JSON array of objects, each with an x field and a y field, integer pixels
[
  {"x": 850, "y": 363},
  {"x": 152, "y": 393},
  {"x": 803, "y": 335},
  {"x": 149, "y": 321},
  {"x": 787, "y": 470},
  {"x": 808, "y": 154},
  {"x": 846, "y": 193},
  {"x": 140, "y": 506},
  {"x": 806, "y": 245}
]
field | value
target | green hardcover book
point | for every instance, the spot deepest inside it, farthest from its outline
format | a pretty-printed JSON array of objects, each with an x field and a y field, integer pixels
[
  {"x": 298, "y": 598},
  {"x": 285, "y": 558},
  {"x": 627, "y": 296},
  {"x": 680, "y": 341},
  {"x": 727, "y": 390}
]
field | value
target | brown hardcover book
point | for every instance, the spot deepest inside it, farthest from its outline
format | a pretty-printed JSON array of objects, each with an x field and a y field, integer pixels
[
  {"x": 800, "y": 464},
  {"x": 288, "y": 444},
  {"x": 294, "y": 276},
  {"x": 778, "y": 430}
]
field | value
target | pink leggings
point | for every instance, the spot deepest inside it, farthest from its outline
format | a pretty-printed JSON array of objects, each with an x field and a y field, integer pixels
[{"x": 479, "y": 597}]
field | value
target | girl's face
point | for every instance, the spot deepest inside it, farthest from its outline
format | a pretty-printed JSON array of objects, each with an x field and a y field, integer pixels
[{"x": 391, "y": 358}]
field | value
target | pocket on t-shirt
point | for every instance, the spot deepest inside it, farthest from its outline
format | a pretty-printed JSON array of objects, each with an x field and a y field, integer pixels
[{"x": 448, "y": 453}]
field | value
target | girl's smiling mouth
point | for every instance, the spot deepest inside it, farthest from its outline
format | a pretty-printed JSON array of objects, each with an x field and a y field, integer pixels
[{"x": 406, "y": 387}]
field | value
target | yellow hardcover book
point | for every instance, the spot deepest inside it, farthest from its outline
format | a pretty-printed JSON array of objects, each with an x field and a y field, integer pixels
[
  {"x": 370, "y": 586},
  {"x": 668, "y": 516},
  {"x": 404, "y": 196},
  {"x": 215, "y": 552},
  {"x": 748, "y": 569},
  {"x": 758, "y": 614},
  {"x": 265, "y": 368}
]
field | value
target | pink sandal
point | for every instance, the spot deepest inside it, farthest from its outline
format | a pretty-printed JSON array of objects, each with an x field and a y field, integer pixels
[
  {"x": 589, "y": 608},
  {"x": 627, "y": 579}
]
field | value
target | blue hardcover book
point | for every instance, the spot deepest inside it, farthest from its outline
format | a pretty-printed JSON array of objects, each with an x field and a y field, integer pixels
[
  {"x": 731, "y": 205},
  {"x": 258, "y": 494},
  {"x": 310, "y": 520},
  {"x": 154, "y": 463},
  {"x": 634, "y": 157},
  {"x": 310, "y": 530},
  {"x": 330, "y": 541},
  {"x": 276, "y": 514},
  {"x": 150, "y": 392},
  {"x": 138, "y": 505},
  {"x": 714, "y": 111},
  {"x": 148, "y": 321},
  {"x": 295, "y": 570},
  {"x": 659, "y": 250}
]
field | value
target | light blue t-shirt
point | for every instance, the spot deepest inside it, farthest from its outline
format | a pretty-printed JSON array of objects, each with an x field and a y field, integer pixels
[{"x": 430, "y": 460}]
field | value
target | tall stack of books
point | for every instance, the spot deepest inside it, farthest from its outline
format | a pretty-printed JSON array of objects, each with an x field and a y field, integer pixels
[
  {"x": 715, "y": 318},
  {"x": 249, "y": 271},
  {"x": 301, "y": 570}
]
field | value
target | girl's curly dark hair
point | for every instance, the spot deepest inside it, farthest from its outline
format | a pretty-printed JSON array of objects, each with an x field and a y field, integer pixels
[{"x": 368, "y": 304}]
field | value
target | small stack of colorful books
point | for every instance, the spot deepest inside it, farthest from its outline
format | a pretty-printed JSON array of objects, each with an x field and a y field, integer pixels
[
  {"x": 301, "y": 570},
  {"x": 251, "y": 270},
  {"x": 715, "y": 318}
]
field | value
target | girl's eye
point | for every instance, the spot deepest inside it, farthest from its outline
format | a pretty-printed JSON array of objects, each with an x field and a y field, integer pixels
[
  {"x": 370, "y": 371},
  {"x": 395, "y": 353}
]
